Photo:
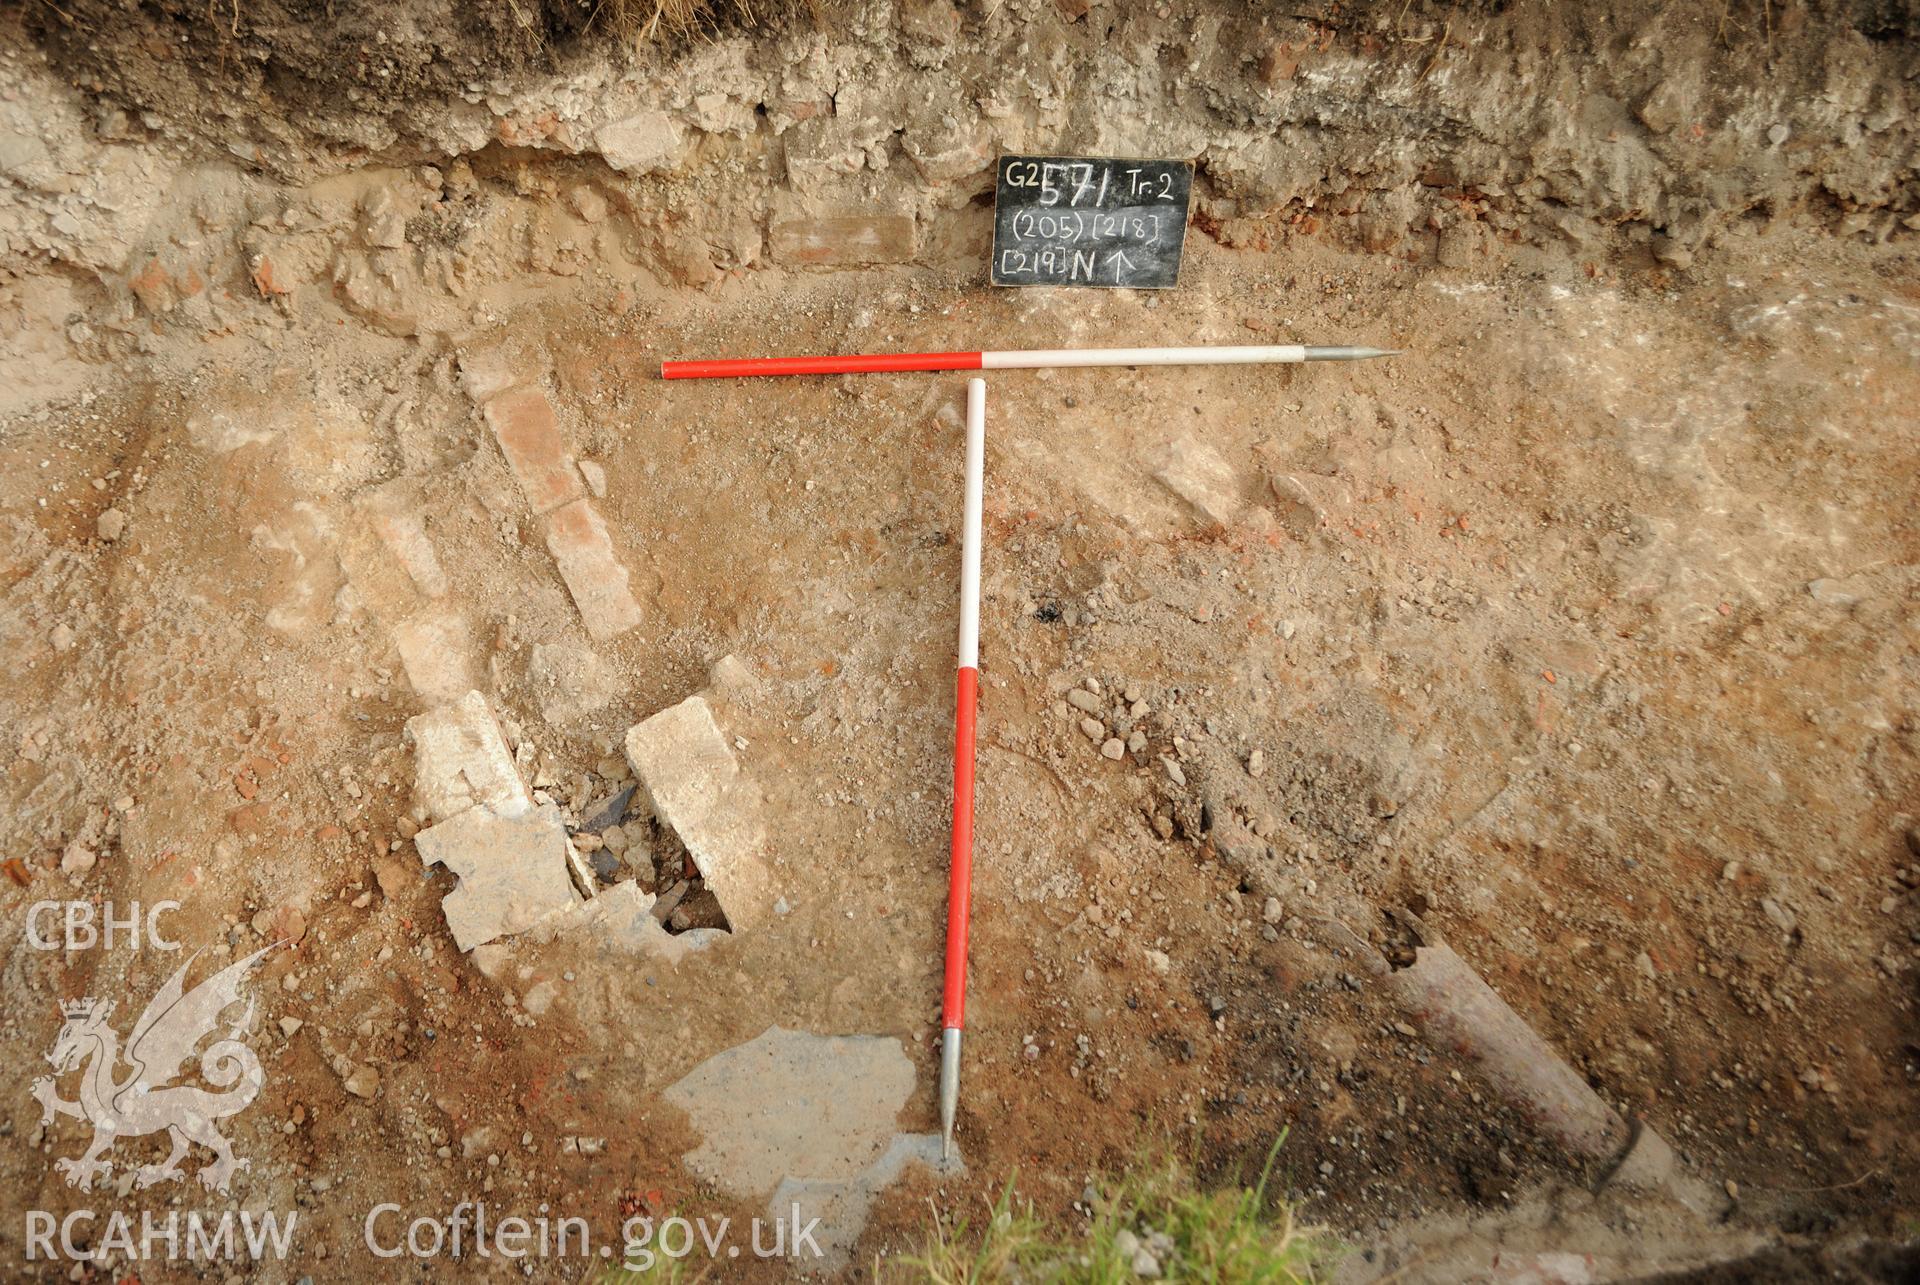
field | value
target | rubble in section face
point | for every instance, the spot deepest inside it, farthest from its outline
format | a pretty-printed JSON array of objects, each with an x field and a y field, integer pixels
[
  {"x": 688, "y": 771},
  {"x": 513, "y": 871},
  {"x": 461, "y": 760},
  {"x": 641, "y": 143}
]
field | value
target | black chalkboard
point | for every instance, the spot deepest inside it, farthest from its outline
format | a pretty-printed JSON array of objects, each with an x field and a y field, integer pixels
[{"x": 1089, "y": 221}]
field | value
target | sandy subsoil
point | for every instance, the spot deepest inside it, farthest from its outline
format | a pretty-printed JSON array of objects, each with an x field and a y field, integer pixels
[{"x": 1586, "y": 629}]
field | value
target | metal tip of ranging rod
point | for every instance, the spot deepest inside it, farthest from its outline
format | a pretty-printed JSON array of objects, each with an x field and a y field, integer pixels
[
  {"x": 949, "y": 1088},
  {"x": 1349, "y": 354}
]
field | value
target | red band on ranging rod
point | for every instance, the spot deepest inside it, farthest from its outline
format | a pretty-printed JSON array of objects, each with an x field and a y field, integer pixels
[
  {"x": 960, "y": 879},
  {"x": 864, "y": 363}
]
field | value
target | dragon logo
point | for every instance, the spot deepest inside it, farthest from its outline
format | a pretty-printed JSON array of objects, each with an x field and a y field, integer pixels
[{"x": 144, "y": 1099}]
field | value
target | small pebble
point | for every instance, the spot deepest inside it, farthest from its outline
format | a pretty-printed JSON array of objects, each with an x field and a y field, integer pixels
[
  {"x": 1782, "y": 918},
  {"x": 1093, "y": 729},
  {"x": 1114, "y": 748}
]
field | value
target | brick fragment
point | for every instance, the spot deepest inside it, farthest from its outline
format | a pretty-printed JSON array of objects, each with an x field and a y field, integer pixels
[
  {"x": 523, "y": 423},
  {"x": 583, "y": 551},
  {"x": 153, "y": 287}
]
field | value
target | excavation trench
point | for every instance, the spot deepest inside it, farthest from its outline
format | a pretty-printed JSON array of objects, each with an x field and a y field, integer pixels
[{"x": 359, "y": 564}]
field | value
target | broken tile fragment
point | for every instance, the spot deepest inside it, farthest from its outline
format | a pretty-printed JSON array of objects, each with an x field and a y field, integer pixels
[
  {"x": 687, "y": 769},
  {"x": 461, "y": 760},
  {"x": 512, "y": 869},
  {"x": 583, "y": 552}
]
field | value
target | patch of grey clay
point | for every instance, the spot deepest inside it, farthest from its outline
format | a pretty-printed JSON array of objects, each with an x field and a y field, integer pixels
[
  {"x": 842, "y": 1207},
  {"x": 812, "y": 1121}
]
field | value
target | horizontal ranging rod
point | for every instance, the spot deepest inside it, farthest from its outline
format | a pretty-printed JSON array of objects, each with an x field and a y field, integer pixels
[{"x": 1030, "y": 359}]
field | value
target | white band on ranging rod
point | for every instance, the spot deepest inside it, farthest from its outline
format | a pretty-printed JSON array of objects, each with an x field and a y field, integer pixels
[
  {"x": 970, "y": 530},
  {"x": 1036, "y": 358}
]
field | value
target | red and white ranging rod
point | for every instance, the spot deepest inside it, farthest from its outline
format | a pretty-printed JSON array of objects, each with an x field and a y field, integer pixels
[
  {"x": 1025, "y": 359},
  {"x": 960, "y": 877}
]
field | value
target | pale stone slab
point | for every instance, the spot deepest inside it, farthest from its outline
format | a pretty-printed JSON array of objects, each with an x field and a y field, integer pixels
[
  {"x": 461, "y": 760},
  {"x": 513, "y": 871},
  {"x": 687, "y": 768}
]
